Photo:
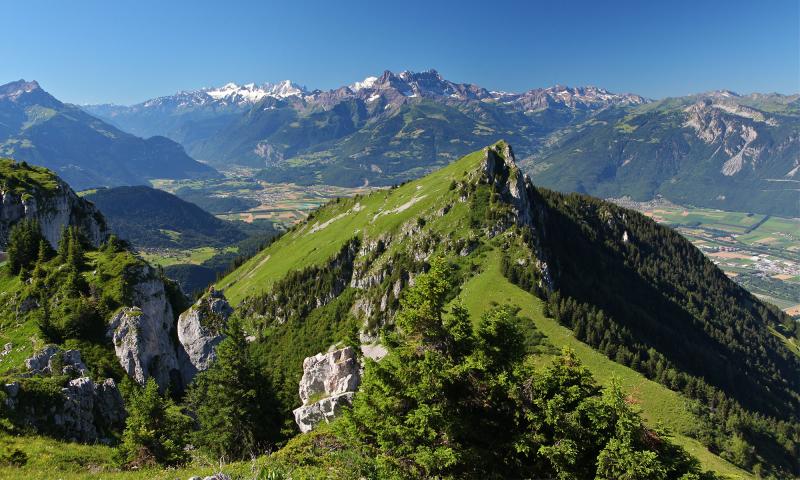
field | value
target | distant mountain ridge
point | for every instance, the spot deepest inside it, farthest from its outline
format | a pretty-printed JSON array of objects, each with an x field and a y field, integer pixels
[
  {"x": 384, "y": 129},
  {"x": 719, "y": 150},
  {"x": 151, "y": 218},
  {"x": 84, "y": 150},
  {"x": 395, "y": 127}
]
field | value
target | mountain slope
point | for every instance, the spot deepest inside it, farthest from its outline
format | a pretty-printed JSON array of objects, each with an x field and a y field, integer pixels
[
  {"x": 358, "y": 256},
  {"x": 151, "y": 218},
  {"x": 85, "y": 151},
  {"x": 720, "y": 151}
]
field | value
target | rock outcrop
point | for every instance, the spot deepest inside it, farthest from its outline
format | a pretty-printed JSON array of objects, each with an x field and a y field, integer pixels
[
  {"x": 501, "y": 170},
  {"x": 142, "y": 333},
  {"x": 53, "y": 209},
  {"x": 86, "y": 412},
  {"x": 199, "y": 332},
  {"x": 51, "y": 359},
  {"x": 88, "y": 408},
  {"x": 328, "y": 384}
]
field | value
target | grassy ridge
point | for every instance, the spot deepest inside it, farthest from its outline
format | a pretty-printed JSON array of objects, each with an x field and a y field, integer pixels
[
  {"x": 324, "y": 233},
  {"x": 659, "y": 404}
]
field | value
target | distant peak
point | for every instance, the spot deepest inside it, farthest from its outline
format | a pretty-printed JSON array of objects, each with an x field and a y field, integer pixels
[
  {"x": 251, "y": 92},
  {"x": 721, "y": 94},
  {"x": 366, "y": 83},
  {"x": 15, "y": 89}
]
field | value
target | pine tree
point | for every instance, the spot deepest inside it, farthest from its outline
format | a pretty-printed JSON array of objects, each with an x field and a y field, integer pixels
[
  {"x": 23, "y": 245},
  {"x": 38, "y": 273},
  {"x": 63, "y": 243},
  {"x": 233, "y": 402},
  {"x": 441, "y": 404},
  {"x": 155, "y": 430}
]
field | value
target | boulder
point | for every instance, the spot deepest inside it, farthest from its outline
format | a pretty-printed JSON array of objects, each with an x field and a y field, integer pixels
[
  {"x": 199, "y": 332},
  {"x": 308, "y": 416},
  {"x": 142, "y": 333},
  {"x": 328, "y": 383},
  {"x": 77, "y": 417}
]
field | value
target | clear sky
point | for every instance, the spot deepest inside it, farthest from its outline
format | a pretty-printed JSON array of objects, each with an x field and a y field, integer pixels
[{"x": 87, "y": 51}]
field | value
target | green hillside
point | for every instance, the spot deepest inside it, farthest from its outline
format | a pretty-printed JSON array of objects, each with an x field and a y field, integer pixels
[
  {"x": 84, "y": 150},
  {"x": 151, "y": 218},
  {"x": 449, "y": 213}
]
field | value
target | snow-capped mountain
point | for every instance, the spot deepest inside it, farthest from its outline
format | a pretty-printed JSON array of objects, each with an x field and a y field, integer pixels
[
  {"x": 230, "y": 94},
  {"x": 394, "y": 88},
  {"x": 252, "y": 93}
]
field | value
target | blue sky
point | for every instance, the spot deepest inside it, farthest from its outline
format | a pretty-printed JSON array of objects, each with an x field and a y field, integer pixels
[{"x": 124, "y": 51}]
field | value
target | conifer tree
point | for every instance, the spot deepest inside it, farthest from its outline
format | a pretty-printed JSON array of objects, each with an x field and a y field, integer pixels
[
  {"x": 155, "y": 430},
  {"x": 23, "y": 245},
  {"x": 232, "y": 400}
]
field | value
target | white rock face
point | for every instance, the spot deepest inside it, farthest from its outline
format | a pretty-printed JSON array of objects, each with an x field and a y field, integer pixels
[
  {"x": 199, "y": 335},
  {"x": 141, "y": 334},
  {"x": 54, "y": 212},
  {"x": 328, "y": 384}
]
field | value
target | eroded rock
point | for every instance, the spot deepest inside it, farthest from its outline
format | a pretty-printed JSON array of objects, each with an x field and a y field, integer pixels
[
  {"x": 200, "y": 331},
  {"x": 142, "y": 333},
  {"x": 328, "y": 384},
  {"x": 51, "y": 359}
]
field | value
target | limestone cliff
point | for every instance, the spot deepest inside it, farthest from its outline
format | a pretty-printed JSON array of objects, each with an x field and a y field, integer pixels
[
  {"x": 36, "y": 193},
  {"x": 142, "y": 333}
]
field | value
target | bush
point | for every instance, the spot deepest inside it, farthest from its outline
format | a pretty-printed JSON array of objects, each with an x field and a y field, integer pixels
[{"x": 13, "y": 457}]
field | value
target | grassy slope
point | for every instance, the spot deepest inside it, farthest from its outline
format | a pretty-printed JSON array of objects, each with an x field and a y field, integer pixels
[
  {"x": 659, "y": 404},
  {"x": 303, "y": 246}
]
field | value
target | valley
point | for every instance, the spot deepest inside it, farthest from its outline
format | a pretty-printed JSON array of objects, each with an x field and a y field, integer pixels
[
  {"x": 240, "y": 196},
  {"x": 758, "y": 251}
]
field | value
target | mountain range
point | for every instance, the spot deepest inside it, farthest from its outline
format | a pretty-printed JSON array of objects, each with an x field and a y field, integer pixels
[
  {"x": 84, "y": 150},
  {"x": 717, "y": 149}
]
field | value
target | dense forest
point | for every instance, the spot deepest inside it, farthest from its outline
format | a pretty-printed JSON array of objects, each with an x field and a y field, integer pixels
[{"x": 633, "y": 290}]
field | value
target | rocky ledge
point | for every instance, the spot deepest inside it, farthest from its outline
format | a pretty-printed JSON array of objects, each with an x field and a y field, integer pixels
[{"x": 86, "y": 410}]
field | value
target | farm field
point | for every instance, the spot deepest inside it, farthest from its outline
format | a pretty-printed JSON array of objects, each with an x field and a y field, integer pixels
[
  {"x": 760, "y": 252},
  {"x": 282, "y": 203},
  {"x": 172, "y": 256}
]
